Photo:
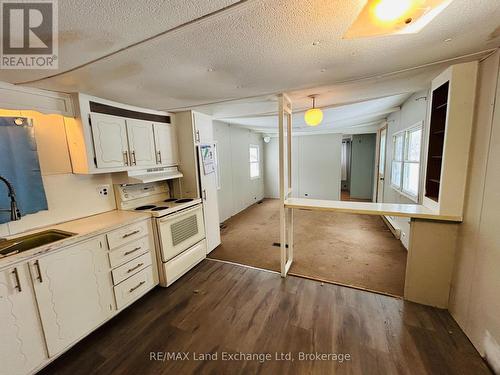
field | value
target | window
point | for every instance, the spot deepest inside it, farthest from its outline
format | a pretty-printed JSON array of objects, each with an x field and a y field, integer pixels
[
  {"x": 405, "y": 174},
  {"x": 254, "y": 162}
]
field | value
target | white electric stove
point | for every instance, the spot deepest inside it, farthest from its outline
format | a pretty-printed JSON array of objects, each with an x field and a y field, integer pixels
[
  {"x": 178, "y": 225},
  {"x": 153, "y": 198}
]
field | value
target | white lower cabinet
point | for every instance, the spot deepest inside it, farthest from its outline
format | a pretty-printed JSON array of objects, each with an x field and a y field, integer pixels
[
  {"x": 74, "y": 292},
  {"x": 49, "y": 303},
  {"x": 22, "y": 347}
]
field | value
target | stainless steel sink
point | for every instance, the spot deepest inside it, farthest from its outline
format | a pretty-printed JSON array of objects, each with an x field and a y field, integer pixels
[{"x": 31, "y": 241}]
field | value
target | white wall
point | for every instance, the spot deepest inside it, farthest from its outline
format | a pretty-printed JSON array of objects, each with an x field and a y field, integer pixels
[
  {"x": 316, "y": 166},
  {"x": 475, "y": 302},
  {"x": 237, "y": 190},
  {"x": 69, "y": 196},
  {"x": 413, "y": 111}
]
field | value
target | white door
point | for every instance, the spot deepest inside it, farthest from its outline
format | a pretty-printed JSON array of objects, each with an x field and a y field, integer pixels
[
  {"x": 381, "y": 164},
  {"x": 141, "y": 143},
  {"x": 110, "y": 141},
  {"x": 74, "y": 291},
  {"x": 166, "y": 144},
  {"x": 209, "y": 196},
  {"x": 203, "y": 128},
  {"x": 22, "y": 346}
]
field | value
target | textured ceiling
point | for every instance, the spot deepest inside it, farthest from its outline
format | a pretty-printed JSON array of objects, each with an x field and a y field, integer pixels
[
  {"x": 251, "y": 48},
  {"x": 364, "y": 116}
]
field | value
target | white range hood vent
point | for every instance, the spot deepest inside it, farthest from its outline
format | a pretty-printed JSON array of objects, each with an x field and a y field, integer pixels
[{"x": 146, "y": 175}]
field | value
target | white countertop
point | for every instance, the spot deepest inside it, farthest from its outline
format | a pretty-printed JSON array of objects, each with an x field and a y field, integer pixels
[
  {"x": 83, "y": 228},
  {"x": 368, "y": 208}
]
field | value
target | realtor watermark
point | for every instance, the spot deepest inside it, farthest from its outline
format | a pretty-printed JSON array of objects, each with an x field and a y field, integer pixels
[
  {"x": 251, "y": 357},
  {"x": 29, "y": 34}
]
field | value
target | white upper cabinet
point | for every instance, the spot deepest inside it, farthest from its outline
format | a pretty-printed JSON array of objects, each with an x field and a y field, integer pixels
[
  {"x": 141, "y": 143},
  {"x": 203, "y": 127},
  {"x": 110, "y": 141},
  {"x": 22, "y": 348},
  {"x": 107, "y": 137},
  {"x": 74, "y": 292},
  {"x": 166, "y": 144}
]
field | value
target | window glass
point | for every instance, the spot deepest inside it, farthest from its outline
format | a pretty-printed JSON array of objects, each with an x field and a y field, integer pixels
[
  {"x": 410, "y": 178},
  {"x": 254, "y": 159},
  {"x": 396, "y": 174},
  {"x": 405, "y": 168},
  {"x": 254, "y": 154},
  {"x": 398, "y": 146},
  {"x": 381, "y": 168},
  {"x": 414, "y": 142}
]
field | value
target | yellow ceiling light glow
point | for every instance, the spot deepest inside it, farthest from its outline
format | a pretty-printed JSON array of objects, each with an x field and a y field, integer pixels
[
  {"x": 391, "y": 10},
  {"x": 383, "y": 17},
  {"x": 313, "y": 116}
]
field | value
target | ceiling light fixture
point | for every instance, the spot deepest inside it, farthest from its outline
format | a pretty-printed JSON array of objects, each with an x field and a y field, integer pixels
[
  {"x": 382, "y": 17},
  {"x": 391, "y": 10},
  {"x": 313, "y": 116}
]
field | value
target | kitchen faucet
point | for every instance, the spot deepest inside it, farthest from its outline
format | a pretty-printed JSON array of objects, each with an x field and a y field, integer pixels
[{"x": 15, "y": 214}]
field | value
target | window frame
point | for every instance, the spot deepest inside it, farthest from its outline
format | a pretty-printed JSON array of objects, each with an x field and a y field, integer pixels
[
  {"x": 406, "y": 161},
  {"x": 250, "y": 162}
]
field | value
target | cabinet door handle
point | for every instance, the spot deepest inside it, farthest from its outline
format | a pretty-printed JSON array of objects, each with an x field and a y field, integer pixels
[
  {"x": 18, "y": 282},
  {"x": 204, "y": 195},
  {"x": 131, "y": 233},
  {"x": 197, "y": 135},
  {"x": 125, "y": 157},
  {"x": 39, "y": 277},
  {"x": 137, "y": 286},
  {"x": 134, "y": 160},
  {"x": 136, "y": 267},
  {"x": 132, "y": 251}
]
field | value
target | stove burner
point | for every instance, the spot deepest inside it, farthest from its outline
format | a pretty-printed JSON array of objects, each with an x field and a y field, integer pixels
[
  {"x": 185, "y": 200},
  {"x": 159, "y": 208},
  {"x": 142, "y": 208},
  {"x": 170, "y": 200}
]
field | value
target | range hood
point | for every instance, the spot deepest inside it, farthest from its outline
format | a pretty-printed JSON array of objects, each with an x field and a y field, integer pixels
[{"x": 146, "y": 175}]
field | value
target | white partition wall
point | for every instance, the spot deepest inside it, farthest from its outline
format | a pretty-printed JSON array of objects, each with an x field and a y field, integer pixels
[{"x": 285, "y": 173}]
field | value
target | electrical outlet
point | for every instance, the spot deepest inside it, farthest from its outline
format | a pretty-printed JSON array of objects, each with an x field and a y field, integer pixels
[{"x": 104, "y": 190}]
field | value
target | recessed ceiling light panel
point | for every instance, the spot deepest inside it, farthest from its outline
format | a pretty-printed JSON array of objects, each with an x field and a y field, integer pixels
[{"x": 382, "y": 17}]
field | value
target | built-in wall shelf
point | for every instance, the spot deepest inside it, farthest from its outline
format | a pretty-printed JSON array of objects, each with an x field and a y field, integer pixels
[
  {"x": 440, "y": 106},
  {"x": 450, "y": 117},
  {"x": 416, "y": 211}
]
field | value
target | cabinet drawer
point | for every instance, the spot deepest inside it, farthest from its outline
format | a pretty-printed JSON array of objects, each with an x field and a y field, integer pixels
[
  {"x": 129, "y": 251},
  {"x": 182, "y": 263},
  {"x": 131, "y": 268},
  {"x": 126, "y": 234},
  {"x": 134, "y": 287}
]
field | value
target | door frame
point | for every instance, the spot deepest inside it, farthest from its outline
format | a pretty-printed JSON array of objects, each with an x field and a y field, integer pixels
[{"x": 378, "y": 176}]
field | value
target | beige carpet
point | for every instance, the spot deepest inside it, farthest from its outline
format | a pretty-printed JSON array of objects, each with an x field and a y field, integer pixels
[{"x": 357, "y": 250}]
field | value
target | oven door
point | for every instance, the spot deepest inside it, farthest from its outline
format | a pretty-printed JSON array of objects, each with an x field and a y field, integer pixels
[{"x": 179, "y": 231}]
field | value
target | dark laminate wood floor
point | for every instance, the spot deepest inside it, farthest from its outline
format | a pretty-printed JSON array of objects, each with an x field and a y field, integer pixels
[{"x": 219, "y": 307}]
